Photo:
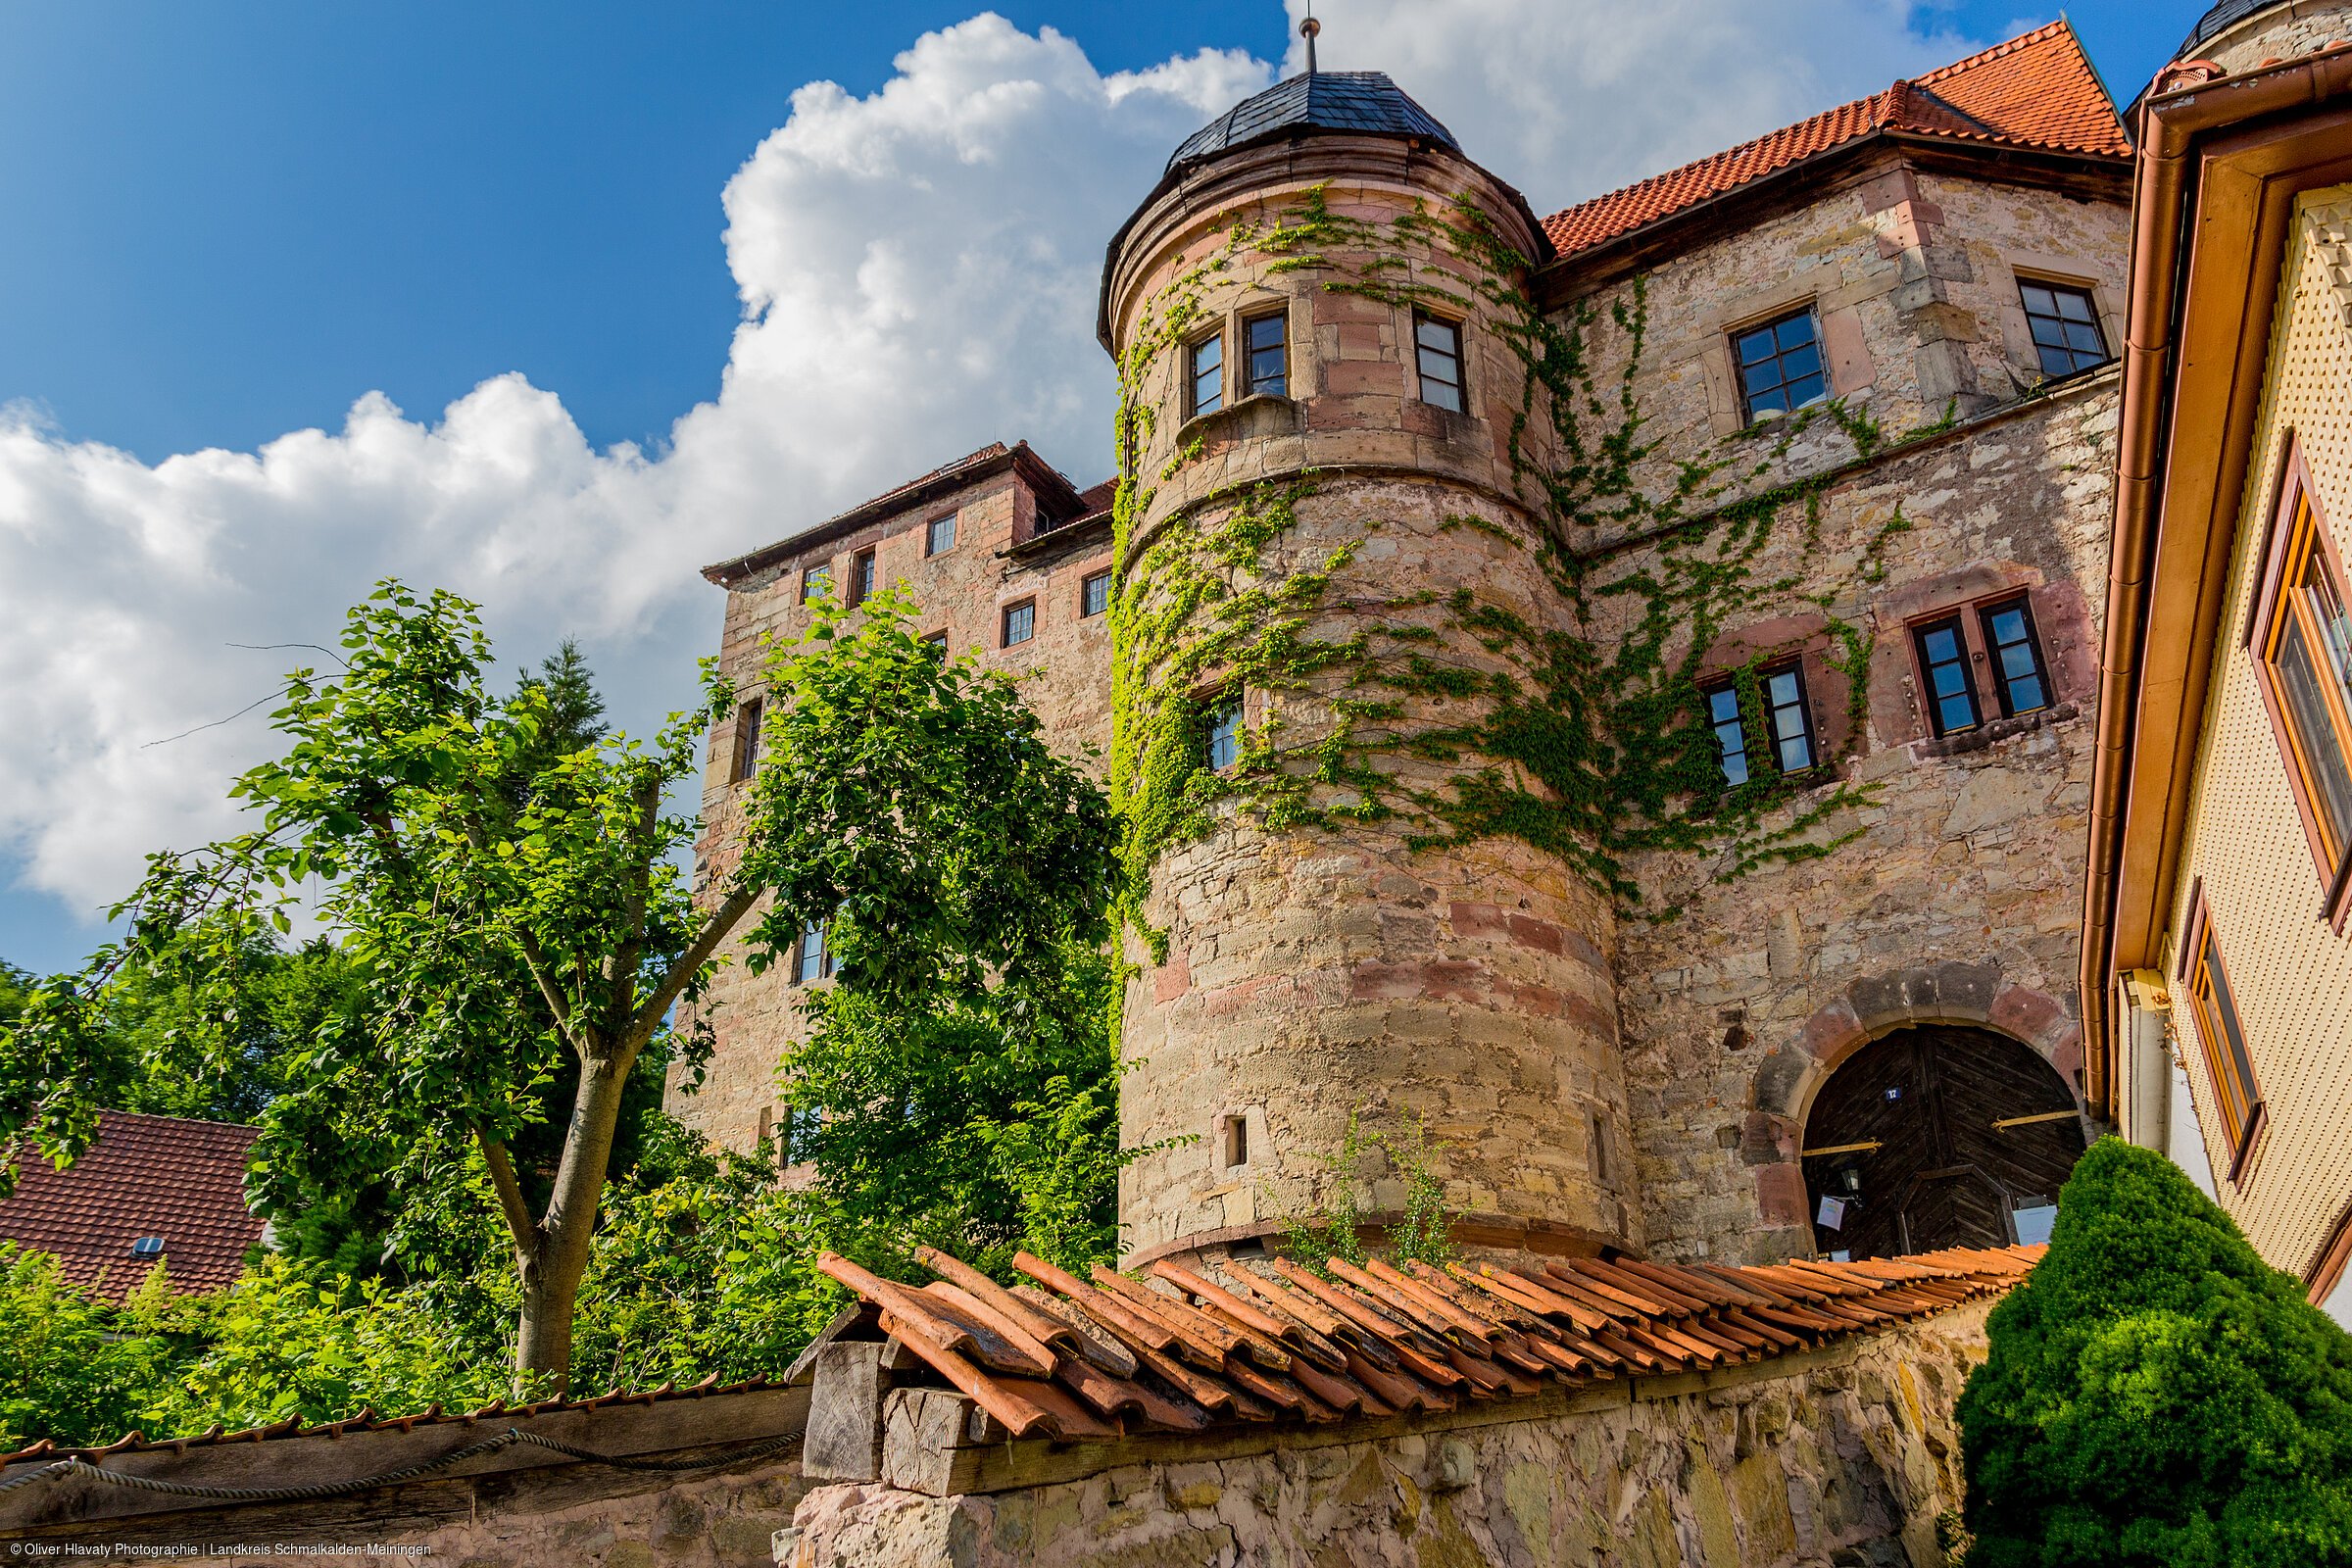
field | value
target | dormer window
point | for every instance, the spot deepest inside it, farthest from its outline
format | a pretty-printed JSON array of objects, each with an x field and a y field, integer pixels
[
  {"x": 1438, "y": 355},
  {"x": 1266, "y": 340},
  {"x": 1779, "y": 365},
  {"x": 1206, "y": 368}
]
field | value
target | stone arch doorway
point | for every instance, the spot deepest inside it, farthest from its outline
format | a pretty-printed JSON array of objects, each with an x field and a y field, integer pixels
[{"x": 1937, "y": 1136}]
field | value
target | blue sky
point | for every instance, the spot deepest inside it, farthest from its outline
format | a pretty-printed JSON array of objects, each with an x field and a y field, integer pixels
[{"x": 229, "y": 222}]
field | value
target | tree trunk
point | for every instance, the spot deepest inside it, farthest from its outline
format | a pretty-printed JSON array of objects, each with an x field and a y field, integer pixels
[{"x": 551, "y": 1268}]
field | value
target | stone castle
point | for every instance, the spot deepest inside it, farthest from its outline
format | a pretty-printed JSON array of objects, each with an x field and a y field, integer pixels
[{"x": 1614, "y": 688}]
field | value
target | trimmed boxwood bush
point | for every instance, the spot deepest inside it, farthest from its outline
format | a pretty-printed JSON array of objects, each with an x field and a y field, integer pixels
[{"x": 2157, "y": 1395}]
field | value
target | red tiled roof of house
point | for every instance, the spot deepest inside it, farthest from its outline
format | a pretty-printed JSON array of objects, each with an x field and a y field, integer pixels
[
  {"x": 1109, "y": 1356},
  {"x": 165, "y": 1176},
  {"x": 2038, "y": 90}
]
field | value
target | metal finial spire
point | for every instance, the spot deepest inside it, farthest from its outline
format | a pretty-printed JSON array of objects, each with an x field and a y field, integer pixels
[{"x": 1307, "y": 31}]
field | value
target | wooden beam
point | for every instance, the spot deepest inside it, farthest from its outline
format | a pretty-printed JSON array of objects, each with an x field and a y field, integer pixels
[
  {"x": 845, "y": 1416},
  {"x": 1868, "y": 1145}
]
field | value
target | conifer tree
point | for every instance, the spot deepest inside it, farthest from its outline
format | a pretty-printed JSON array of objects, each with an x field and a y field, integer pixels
[{"x": 2156, "y": 1395}]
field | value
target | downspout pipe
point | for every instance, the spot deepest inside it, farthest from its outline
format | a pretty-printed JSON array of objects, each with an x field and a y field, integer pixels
[{"x": 2197, "y": 98}]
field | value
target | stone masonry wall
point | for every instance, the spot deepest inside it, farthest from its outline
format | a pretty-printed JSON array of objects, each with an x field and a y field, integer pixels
[
  {"x": 962, "y": 591},
  {"x": 1841, "y": 1457},
  {"x": 1959, "y": 901}
]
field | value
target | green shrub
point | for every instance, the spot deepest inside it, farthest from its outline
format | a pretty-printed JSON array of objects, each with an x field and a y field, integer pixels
[{"x": 2156, "y": 1395}]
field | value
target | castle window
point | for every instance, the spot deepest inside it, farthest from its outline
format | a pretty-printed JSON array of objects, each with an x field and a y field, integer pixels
[
  {"x": 1205, "y": 364},
  {"x": 862, "y": 577},
  {"x": 1094, "y": 594},
  {"x": 1730, "y": 734},
  {"x": 940, "y": 535},
  {"x": 1779, "y": 365},
  {"x": 1221, "y": 731},
  {"x": 1266, "y": 341},
  {"x": 817, "y": 582},
  {"x": 1789, "y": 718},
  {"x": 937, "y": 641},
  {"x": 747, "y": 737},
  {"x": 812, "y": 960},
  {"x": 1943, "y": 667},
  {"x": 1236, "y": 1140},
  {"x": 2302, "y": 643},
  {"x": 2235, "y": 1097},
  {"x": 1437, "y": 352},
  {"x": 2065, "y": 328},
  {"x": 2018, "y": 674},
  {"x": 1788, "y": 725},
  {"x": 1020, "y": 622}
]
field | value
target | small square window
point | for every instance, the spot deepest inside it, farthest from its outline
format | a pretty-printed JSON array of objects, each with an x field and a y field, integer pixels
[
  {"x": 1268, "y": 367},
  {"x": 937, "y": 641},
  {"x": 747, "y": 714},
  {"x": 862, "y": 577},
  {"x": 817, "y": 582},
  {"x": 1949, "y": 693},
  {"x": 1094, "y": 594},
  {"x": 1206, "y": 368},
  {"x": 2016, "y": 668},
  {"x": 1779, "y": 365},
  {"x": 1438, "y": 355},
  {"x": 1020, "y": 622},
  {"x": 1221, "y": 730},
  {"x": 814, "y": 960},
  {"x": 2064, "y": 325},
  {"x": 940, "y": 535}
]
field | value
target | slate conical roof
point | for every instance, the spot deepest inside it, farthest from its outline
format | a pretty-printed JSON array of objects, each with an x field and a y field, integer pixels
[{"x": 1362, "y": 102}]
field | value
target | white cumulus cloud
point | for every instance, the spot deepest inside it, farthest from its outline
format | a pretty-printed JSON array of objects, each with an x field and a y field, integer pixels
[{"x": 917, "y": 270}]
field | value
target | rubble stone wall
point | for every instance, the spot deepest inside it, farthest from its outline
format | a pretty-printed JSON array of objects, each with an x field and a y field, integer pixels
[{"x": 1846, "y": 1456}]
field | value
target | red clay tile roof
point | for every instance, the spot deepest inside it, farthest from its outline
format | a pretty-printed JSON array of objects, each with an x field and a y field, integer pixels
[
  {"x": 1103, "y": 1357},
  {"x": 165, "y": 1176},
  {"x": 2037, "y": 90}
]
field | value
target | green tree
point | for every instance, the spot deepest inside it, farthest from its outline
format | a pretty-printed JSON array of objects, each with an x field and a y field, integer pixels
[
  {"x": 958, "y": 1085},
  {"x": 2156, "y": 1395},
  {"x": 66, "y": 1371},
  {"x": 512, "y": 910}
]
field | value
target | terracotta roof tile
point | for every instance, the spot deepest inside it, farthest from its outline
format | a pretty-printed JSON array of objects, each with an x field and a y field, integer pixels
[
  {"x": 165, "y": 1176},
  {"x": 1079, "y": 1361},
  {"x": 2037, "y": 90}
]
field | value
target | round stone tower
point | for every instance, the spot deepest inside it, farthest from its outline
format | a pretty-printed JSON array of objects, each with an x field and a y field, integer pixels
[
  {"x": 2240, "y": 36},
  {"x": 1333, "y": 466}
]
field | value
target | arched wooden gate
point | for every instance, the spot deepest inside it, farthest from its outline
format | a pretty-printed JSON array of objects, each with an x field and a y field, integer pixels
[{"x": 1934, "y": 1137}]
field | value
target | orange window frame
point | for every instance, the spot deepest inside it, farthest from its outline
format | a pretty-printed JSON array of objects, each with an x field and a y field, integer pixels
[
  {"x": 2301, "y": 574},
  {"x": 2228, "y": 1065},
  {"x": 2327, "y": 1269}
]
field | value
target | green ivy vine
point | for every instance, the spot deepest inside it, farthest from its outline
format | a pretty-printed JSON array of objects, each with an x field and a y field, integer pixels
[{"x": 1591, "y": 746}]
